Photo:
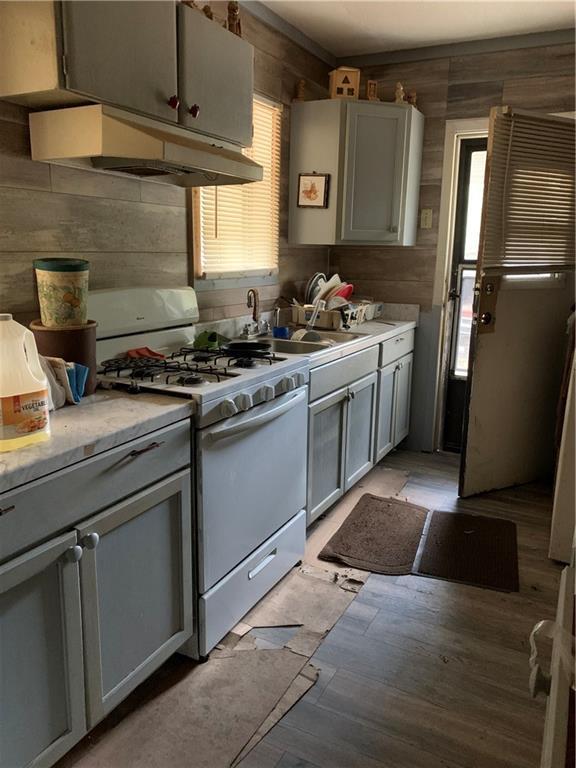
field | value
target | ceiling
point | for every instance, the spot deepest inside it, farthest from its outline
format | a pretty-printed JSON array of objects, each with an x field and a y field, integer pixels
[{"x": 354, "y": 27}]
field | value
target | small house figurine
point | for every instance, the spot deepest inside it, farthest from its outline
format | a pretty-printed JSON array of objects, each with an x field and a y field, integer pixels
[
  {"x": 234, "y": 24},
  {"x": 300, "y": 91},
  {"x": 345, "y": 83},
  {"x": 372, "y": 90},
  {"x": 411, "y": 98},
  {"x": 399, "y": 94}
]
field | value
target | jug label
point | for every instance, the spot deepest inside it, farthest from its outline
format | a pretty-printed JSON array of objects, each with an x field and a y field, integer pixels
[{"x": 23, "y": 414}]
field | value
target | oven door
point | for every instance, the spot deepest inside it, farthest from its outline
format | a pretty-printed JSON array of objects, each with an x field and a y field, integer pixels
[{"x": 251, "y": 479}]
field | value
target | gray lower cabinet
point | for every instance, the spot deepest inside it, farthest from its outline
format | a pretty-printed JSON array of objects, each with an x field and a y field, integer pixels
[
  {"x": 41, "y": 665},
  {"x": 393, "y": 412},
  {"x": 360, "y": 423},
  {"x": 136, "y": 590},
  {"x": 326, "y": 451},
  {"x": 341, "y": 430},
  {"x": 123, "y": 53}
]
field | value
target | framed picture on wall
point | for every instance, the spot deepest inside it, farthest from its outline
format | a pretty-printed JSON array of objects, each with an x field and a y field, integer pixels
[{"x": 313, "y": 190}]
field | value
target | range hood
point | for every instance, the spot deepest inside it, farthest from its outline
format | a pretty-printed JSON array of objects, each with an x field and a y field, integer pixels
[{"x": 118, "y": 141}]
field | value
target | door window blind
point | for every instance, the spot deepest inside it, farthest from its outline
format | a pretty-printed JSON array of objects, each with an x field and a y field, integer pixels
[
  {"x": 237, "y": 227},
  {"x": 528, "y": 217}
]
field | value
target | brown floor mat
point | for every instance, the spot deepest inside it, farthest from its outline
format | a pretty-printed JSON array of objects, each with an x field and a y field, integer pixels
[
  {"x": 473, "y": 549},
  {"x": 379, "y": 535}
]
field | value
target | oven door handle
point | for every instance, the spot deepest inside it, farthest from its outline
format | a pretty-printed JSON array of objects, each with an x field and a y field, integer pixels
[{"x": 257, "y": 421}]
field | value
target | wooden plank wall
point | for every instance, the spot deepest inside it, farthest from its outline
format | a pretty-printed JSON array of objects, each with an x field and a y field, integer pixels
[
  {"x": 136, "y": 232},
  {"x": 539, "y": 79}
]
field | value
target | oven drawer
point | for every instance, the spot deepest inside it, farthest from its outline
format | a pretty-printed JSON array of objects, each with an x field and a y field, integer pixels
[
  {"x": 44, "y": 507},
  {"x": 228, "y": 601},
  {"x": 396, "y": 347}
]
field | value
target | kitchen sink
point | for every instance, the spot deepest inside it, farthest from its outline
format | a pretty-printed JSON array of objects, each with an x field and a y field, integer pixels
[{"x": 327, "y": 340}]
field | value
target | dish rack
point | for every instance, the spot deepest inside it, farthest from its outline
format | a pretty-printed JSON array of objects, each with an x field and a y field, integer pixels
[{"x": 336, "y": 319}]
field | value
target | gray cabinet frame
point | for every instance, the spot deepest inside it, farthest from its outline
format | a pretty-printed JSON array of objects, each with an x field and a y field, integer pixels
[
  {"x": 25, "y": 567},
  {"x": 368, "y": 382},
  {"x": 98, "y": 704}
]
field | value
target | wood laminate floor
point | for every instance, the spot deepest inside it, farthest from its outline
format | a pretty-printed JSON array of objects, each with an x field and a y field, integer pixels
[{"x": 422, "y": 673}]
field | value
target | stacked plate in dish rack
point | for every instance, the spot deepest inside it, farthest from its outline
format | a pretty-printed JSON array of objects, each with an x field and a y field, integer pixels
[{"x": 320, "y": 288}]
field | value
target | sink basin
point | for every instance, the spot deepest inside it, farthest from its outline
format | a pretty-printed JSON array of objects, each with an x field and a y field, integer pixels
[
  {"x": 287, "y": 346},
  {"x": 340, "y": 337}
]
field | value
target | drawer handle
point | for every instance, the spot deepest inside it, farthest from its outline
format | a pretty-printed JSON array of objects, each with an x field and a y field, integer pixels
[
  {"x": 5, "y": 510},
  {"x": 139, "y": 451},
  {"x": 261, "y": 565},
  {"x": 397, "y": 341}
]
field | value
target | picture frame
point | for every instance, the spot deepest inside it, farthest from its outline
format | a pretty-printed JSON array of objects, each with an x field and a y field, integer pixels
[{"x": 313, "y": 190}]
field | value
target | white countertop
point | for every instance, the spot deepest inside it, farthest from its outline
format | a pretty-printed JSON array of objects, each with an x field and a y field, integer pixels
[
  {"x": 100, "y": 422},
  {"x": 111, "y": 417}
]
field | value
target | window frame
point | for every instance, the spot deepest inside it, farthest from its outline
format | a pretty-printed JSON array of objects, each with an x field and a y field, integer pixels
[{"x": 253, "y": 278}]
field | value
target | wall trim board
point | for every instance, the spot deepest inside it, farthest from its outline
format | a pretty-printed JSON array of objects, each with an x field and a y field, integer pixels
[
  {"x": 268, "y": 16},
  {"x": 466, "y": 48}
]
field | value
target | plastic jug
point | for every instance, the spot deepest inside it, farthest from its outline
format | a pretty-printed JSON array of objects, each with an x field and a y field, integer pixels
[{"x": 23, "y": 388}]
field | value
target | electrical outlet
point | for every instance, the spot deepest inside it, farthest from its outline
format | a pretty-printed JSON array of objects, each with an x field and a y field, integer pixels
[{"x": 426, "y": 218}]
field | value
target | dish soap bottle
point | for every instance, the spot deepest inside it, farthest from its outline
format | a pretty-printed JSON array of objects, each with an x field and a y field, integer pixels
[{"x": 24, "y": 416}]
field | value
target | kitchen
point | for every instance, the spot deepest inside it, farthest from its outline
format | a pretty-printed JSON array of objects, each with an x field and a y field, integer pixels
[{"x": 205, "y": 487}]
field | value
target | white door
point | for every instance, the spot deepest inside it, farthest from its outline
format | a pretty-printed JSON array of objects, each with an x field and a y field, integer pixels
[{"x": 251, "y": 480}]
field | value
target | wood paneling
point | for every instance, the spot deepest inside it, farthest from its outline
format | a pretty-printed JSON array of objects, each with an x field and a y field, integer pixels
[
  {"x": 539, "y": 79},
  {"x": 137, "y": 232}
]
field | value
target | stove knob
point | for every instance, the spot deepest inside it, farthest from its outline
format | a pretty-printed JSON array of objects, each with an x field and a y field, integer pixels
[
  {"x": 244, "y": 402},
  {"x": 228, "y": 408},
  {"x": 281, "y": 387},
  {"x": 267, "y": 393},
  {"x": 290, "y": 383},
  {"x": 300, "y": 379}
]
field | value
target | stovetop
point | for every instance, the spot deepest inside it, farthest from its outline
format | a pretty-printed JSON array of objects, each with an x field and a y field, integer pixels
[{"x": 190, "y": 372}]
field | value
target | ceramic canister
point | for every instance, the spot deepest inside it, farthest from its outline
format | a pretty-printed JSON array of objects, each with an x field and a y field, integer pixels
[{"x": 62, "y": 291}]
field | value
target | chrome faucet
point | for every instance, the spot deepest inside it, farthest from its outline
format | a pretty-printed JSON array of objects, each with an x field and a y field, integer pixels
[
  {"x": 253, "y": 303},
  {"x": 257, "y": 327}
]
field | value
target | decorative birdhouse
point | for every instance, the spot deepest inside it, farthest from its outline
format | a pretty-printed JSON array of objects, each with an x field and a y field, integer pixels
[{"x": 345, "y": 83}]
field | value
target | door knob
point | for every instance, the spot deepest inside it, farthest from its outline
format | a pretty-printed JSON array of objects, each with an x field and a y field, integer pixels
[
  {"x": 174, "y": 102},
  {"x": 194, "y": 110},
  {"x": 90, "y": 541},
  {"x": 486, "y": 318}
]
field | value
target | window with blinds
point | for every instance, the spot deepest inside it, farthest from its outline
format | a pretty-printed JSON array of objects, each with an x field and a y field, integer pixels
[
  {"x": 237, "y": 227},
  {"x": 529, "y": 195}
]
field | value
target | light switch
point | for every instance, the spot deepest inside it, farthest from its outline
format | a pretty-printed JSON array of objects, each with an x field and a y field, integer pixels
[{"x": 426, "y": 218}]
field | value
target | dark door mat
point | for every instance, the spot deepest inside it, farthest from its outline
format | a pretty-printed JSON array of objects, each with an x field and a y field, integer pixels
[
  {"x": 379, "y": 535},
  {"x": 473, "y": 549}
]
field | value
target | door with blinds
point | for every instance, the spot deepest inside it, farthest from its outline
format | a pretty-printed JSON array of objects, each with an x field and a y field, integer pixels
[{"x": 524, "y": 294}]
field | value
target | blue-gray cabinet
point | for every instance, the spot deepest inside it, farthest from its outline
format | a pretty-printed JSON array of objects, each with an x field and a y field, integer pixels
[
  {"x": 393, "y": 410},
  {"x": 136, "y": 590},
  {"x": 360, "y": 423},
  {"x": 372, "y": 152},
  {"x": 122, "y": 53},
  {"x": 42, "y": 711}
]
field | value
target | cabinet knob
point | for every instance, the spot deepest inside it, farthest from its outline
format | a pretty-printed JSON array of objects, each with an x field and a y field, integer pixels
[
  {"x": 174, "y": 102},
  {"x": 194, "y": 110},
  {"x": 90, "y": 541},
  {"x": 74, "y": 554}
]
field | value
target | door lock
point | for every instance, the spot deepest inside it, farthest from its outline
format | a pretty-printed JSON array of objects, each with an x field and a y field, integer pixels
[{"x": 486, "y": 318}]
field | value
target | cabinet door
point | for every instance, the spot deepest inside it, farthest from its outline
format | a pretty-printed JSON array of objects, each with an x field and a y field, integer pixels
[
  {"x": 374, "y": 170},
  {"x": 385, "y": 410},
  {"x": 402, "y": 399},
  {"x": 42, "y": 699},
  {"x": 123, "y": 53},
  {"x": 216, "y": 78},
  {"x": 136, "y": 590},
  {"x": 360, "y": 423},
  {"x": 326, "y": 442}
]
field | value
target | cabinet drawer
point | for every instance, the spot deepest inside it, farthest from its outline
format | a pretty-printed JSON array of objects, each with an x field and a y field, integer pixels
[
  {"x": 42, "y": 508},
  {"x": 228, "y": 601},
  {"x": 340, "y": 373},
  {"x": 397, "y": 347}
]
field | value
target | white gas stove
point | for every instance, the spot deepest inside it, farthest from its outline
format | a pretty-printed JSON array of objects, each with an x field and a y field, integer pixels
[{"x": 248, "y": 444}]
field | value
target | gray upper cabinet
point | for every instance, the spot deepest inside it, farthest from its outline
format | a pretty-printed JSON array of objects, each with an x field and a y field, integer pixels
[
  {"x": 216, "y": 79},
  {"x": 360, "y": 422},
  {"x": 41, "y": 668},
  {"x": 123, "y": 53},
  {"x": 372, "y": 152},
  {"x": 136, "y": 590}
]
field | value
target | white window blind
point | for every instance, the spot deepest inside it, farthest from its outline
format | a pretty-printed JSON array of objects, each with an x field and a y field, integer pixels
[
  {"x": 529, "y": 199},
  {"x": 238, "y": 226}
]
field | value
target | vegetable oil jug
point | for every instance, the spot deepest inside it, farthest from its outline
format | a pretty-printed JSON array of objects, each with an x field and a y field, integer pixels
[{"x": 23, "y": 388}]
